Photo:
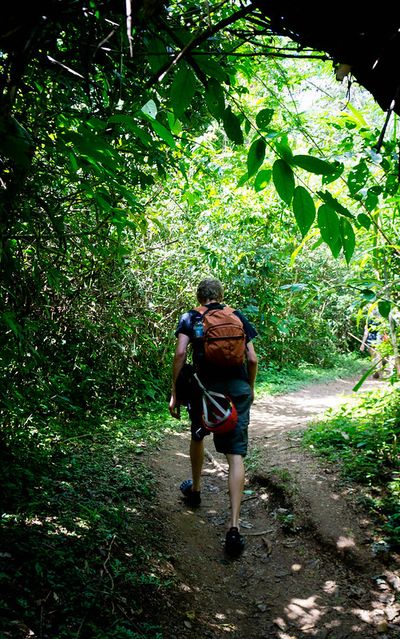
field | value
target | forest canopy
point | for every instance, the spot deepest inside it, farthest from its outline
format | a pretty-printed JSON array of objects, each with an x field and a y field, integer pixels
[{"x": 147, "y": 144}]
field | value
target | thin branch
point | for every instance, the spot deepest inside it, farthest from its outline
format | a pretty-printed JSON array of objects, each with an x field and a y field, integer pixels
[
  {"x": 129, "y": 25},
  {"x": 156, "y": 247},
  {"x": 197, "y": 40}
]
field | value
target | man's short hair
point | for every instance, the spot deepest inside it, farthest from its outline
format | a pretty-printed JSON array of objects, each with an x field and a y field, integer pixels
[{"x": 210, "y": 289}]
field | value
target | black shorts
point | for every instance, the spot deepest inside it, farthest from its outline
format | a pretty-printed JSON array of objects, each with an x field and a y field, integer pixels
[{"x": 235, "y": 442}]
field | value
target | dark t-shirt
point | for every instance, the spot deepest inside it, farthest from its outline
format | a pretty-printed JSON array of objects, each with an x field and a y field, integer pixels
[{"x": 213, "y": 373}]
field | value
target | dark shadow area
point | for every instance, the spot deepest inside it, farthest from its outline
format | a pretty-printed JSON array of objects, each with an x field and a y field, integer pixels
[{"x": 80, "y": 540}]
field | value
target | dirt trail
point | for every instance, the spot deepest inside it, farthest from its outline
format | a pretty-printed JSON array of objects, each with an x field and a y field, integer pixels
[{"x": 308, "y": 569}]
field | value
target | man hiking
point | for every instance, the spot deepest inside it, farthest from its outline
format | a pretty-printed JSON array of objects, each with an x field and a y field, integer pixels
[{"x": 231, "y": 377}]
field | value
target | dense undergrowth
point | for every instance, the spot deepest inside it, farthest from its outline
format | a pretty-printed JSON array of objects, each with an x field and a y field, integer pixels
[
  {"x": 81, "y": 552},
  {"x": 363, "y": 437}
]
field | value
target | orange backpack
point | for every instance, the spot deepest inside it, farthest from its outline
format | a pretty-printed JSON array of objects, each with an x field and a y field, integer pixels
[{"x": 224, "y": 336}]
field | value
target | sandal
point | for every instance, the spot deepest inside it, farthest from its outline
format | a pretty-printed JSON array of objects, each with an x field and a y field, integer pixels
[
  {"x": 192, "y": 497},
  {"x": 234, "y": 542}
]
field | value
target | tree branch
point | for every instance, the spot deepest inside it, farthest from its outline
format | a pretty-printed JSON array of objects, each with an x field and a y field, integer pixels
[{"x": 197, "y": 40}]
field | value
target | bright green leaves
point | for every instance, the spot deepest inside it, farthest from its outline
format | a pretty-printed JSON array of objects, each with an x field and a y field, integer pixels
[
  {"x": 283, "y": 179},
  {"x": 304, "y": 209},
  {"x": 329, "y": 226},
  {"x": 384, "y": 308},
  {"x": 255, "y": 156},
  {"x": 333, "y": 219},
  {"x": 372, "y": 200},
  {"x": 336, "y": 232},
  {"x": 232, "y": 128},
  {"x": 357, "y": 178},
  {"x": 283, "y": 149},
  {"x": 215, "y": 99},
  {"x": 348, "y": 238},
  {"x": 333, "y": 203},
  {"x": 149, "y": 111},
  {"x": 262, "y": 179},
  {"x": 364, "y": 220},
  {"x": 163, "y": 133},
  {"x": 313, "y": 165},
  {"x": 263, "y": 118},
  {"x": 182, "y": 89}
]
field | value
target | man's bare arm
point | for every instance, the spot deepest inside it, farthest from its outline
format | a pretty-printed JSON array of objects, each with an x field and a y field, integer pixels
[
  {"x": 252, "y": 365},
  {"x": 179, "y": 361}
]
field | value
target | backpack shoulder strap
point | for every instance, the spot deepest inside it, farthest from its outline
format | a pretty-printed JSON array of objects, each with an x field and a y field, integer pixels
[{"x": 201, "y": 309}]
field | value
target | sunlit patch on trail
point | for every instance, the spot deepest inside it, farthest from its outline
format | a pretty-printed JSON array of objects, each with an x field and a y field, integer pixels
[
  {"x": 330, "y": 587},
  {"x": 296, "y": 567},
  {"x": 345, "y": 542},
  {"x": 305, "y": 612}
]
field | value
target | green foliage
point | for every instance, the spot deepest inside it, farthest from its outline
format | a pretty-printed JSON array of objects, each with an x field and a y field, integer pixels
[
  {"x": 122, "y": 185},
  {"x": 84, "y": 556},
  {"x": 232, "y": 126},
  {"x": 263, "y": 119},
  {"x": 214, "y": 97},
  {"x": 283, "y": 177},
  {"x": 329, "y": 225},
  {"x": 363, "y": 437},
  {"x": 304, "y": 209},
  {"x": 274, "y": 380},
  {"x": 313, "y": 164},
  {"x": 255, "y": 156}
]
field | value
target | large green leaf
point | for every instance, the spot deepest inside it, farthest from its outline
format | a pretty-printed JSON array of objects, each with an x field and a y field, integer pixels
[
  {"x": 182, "y": 89},
  {"x": 215, "y": 98},
  {"x": 371, "y": 201},
  {"x": 232, "y": 126},
  {"x": 211, "y": 67},
  {"x": 364, "y": 220},
  {"x": 332, "y": 202},
  {"x": 329, "y": 226},
  {"x": 150, "y": 109},
  {"x": 304, "y": 209},
  {"x": 358, "y": 177},
  {"x": 283, "y": 178},
  {"x": 15, "y": 142},
  {"x": 348, "y": 238},
  {"x": 158, "y": 52},
  {"x": 337, "y": 170},
  {"x": 313, "y": 165},
  {"x": 163, "y": 133},
  {"x": 283, "y": 149},
  {"x": 128, "y": 123},
  {"x": 255, "y": 156},
  {"x": 384, "y": 307},
  {"x": 263, "y": 118},
  {"x": 262, "y": 179}
]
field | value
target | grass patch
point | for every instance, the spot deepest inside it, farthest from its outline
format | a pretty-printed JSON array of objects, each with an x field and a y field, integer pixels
[
  {"x": 363, "y": 437},
  {"x": 273, "y": 381},
  {"x": 81, "y": 554}
]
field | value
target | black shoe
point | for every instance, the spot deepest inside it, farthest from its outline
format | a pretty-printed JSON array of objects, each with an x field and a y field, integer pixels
[
  {"x": 234, "y": 542},
  {"x": 192, "y": 497}
]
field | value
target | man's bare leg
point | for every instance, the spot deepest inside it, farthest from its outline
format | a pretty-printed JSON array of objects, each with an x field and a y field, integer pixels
[
  {"x": 196, "y": 460},
  {"x": 236, "y": 485}
]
